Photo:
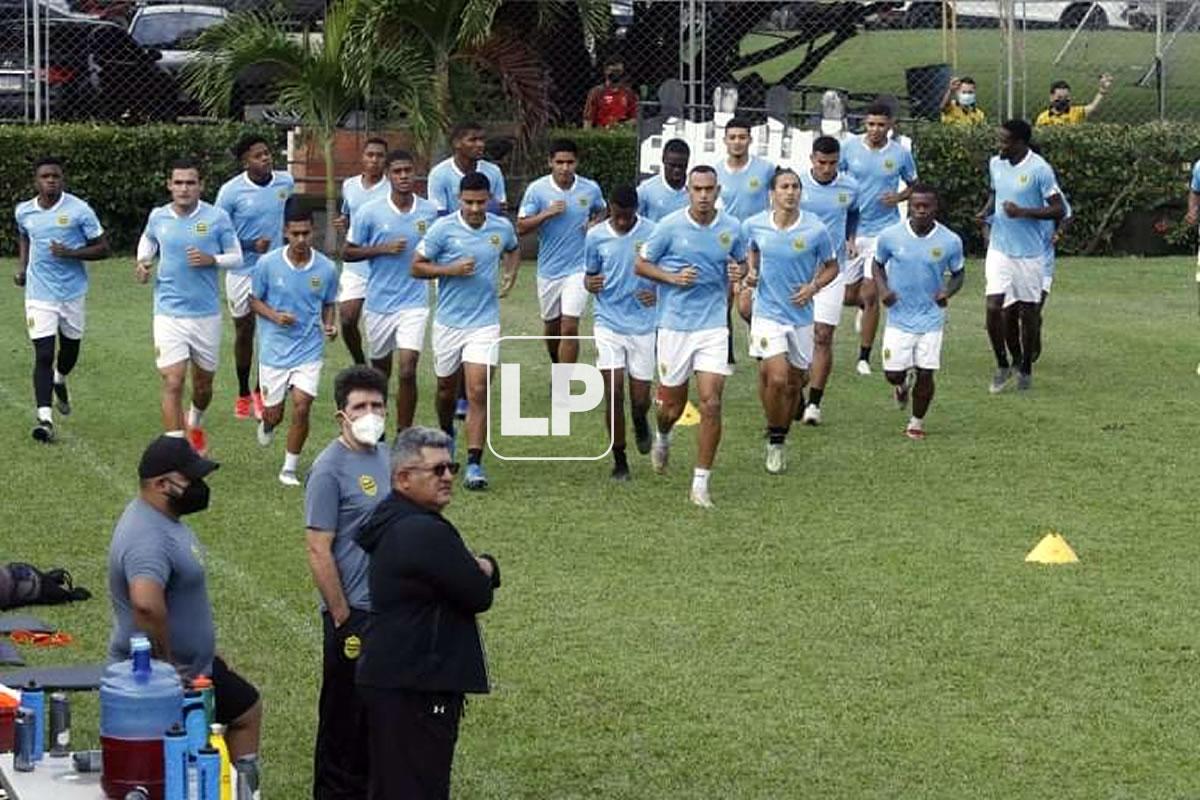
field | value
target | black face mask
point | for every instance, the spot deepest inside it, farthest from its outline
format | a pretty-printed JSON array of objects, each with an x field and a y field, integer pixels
[
  {"x": 613, "y": 77},
  {"x": 194, "y": 498},
  {"x": 1062, "y": 105}
]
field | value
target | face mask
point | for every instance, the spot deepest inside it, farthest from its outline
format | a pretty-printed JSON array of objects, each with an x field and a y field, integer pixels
[
  {"x": 613, "y": 77},
  {"x": 367, "y": 429},
  {"x": 966, "y": 99},
  {"x": 194, "y": 498},
  {"x": 1062, "y": 105}
]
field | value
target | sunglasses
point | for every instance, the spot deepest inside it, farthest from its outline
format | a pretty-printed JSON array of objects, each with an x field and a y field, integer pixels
[{"x": 439, "y": 470}]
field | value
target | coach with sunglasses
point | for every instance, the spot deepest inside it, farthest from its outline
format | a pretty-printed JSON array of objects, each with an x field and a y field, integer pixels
[{"x": 422, "y": 651}]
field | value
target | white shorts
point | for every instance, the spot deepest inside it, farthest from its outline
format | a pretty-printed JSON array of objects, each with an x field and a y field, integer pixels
[
  {"x": 632, "y": 352},
  {"x": 827, "y": 303},
  {"x": 195, "y": 339},
  {"x": 238, "y": 289},
  {"x": 860, "y": 267},
  {"x": 680, "y": 353},
  {"x": 903, "y": 350},
  {"x": 453, "y": 346},
  {"x": 559, "y": 296},
  {"x": 770, "y": 338},
  {"x": 351, "y": 286},
  {"x": 275, "y": 381},
  {"x": 1018, "y": 279},
  {"x": 1049, "y": 262},
  {"x": 46, "y": 318},
  {"x": 399, "y": 330}
]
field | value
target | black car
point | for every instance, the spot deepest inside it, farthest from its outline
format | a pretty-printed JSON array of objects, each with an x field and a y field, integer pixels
[{"x": 95, "y": 71}]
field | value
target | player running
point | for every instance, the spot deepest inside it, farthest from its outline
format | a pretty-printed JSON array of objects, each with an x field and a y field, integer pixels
[
  {"x": 192, "y": 240},
  {"x": 57, "y": 233},
  {"x": 254, "y": 200},
  {"x": 467, "y": 253},
  {"x": 911, "y": 261},
  {"x": 466, "y": 144},
  {"x": 357, "y": 191},
  {"x": 744, "y": 178},
  {"x": 624, "y": 328},
  {"x": 295, "y": 292},
  {"x": 666, "y": 192}
]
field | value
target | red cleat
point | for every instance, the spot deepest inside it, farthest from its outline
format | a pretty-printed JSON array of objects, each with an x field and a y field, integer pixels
[
  {"x": 242, "y": 407},
  {"x": 258, "y": 405},
  {"x": 198, "y": 440}
]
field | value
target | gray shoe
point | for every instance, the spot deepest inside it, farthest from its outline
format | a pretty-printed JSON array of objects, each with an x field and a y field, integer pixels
[
  {"x": 1024, "y": 381},
  {"x": 1000, "y": 380}
]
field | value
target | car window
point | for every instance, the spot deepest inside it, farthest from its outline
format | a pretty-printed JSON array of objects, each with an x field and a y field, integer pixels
[
  {"x": 113, "y": 44},
  {"x": 170, "y": 31}
]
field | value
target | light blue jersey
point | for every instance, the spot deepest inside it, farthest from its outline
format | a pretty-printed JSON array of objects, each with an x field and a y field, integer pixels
[
  {"x": 1195, "y": 185},
  {"x": 656, "y": 199},
  {"x": 745, "y": 192},
  {"x": 469, "y": 301},
  {"x": 1049, "y": 228},
  {"x": 560, "y": 238},
  {"x": 444, "y": 180},
  {"x": 181, "y": 290},
  {"x": 877, "y": 172},
  {"x": 612, "y": 255},
  {"x": 70, "y": 222},
  {"x": 916, "y": 267},
  {"x": 256, "y": 211},
  {"x": 1028, "y": 184},
  {"x": 390, "y": 283},
  {"x": 679, "y": 241},
  {"x": 354, "y": 196},
  {"x": 301, "y": 290},
  {"x": 831, "y": 203},
  {"x": 788, "y": 258}
]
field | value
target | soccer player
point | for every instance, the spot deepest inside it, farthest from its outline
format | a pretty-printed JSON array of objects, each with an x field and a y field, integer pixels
[
  {"x": 466, "y": 253},
  {"x": 693, "y": 255},
  {"x": 1051, "y": 232},
  {"x": 1024, "y": 193},
  {"x": 192, "y": 240},
  {"x": 295, "y": 289},
  {"x": 560, "y": 207},
  {"x": 254, "y": 200},
  {"x": 911, "y": 262},
  {"x": 666, "y": 192},
  {"x": 624, "y": 328},
  {"x": 384, "y": 233},
  {"x": 357, "y": 191},
  {"x": 792, "y": 256},
  {"x": 744, "y": 178},
  {"x": 878, "y": 163},
  {"x": 467, "y": 144},
  {"x": 1193, "y": 211},
  {"x": 58, "y": 232}
]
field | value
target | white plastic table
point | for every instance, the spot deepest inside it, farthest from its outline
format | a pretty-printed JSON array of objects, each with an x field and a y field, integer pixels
[{"x": 53, "y": 779}]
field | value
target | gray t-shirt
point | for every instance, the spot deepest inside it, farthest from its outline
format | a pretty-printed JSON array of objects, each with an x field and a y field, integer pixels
[
  {"x": 148, "y": 544},
  {"x": 344, "y": 486}
]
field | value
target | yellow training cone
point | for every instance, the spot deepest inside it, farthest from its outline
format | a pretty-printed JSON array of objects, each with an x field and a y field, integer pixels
[
  {"x": 1052, "y": 549},
  {"x": 690, "y": 415}
]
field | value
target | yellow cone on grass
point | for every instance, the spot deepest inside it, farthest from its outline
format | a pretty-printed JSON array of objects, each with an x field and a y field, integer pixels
[
  {"x": 690, "y": 415},
  {"x": 1052, "y": 549}
]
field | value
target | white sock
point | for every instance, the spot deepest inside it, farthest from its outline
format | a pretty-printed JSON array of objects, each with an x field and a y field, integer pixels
[
  {"x": 44, "y": 414},
  {"x": 917, "y": 423},
  {"x": 662, "y": 438},
  {"x": 59, "y": 378},
  {"x": 174, "y": 434},
  {"x": 195, "y": 418},
  {"x": 291, "y": 462},
  {"x": 700, "y": 479}
]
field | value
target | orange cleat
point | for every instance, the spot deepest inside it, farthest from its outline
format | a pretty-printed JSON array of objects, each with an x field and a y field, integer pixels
[
  {"x": 198, "y": 440},
  {"x": 258, "y": 405},
  {"x": 242, "y": 407}
]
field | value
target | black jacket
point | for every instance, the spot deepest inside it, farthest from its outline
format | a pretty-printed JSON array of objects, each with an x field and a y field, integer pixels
[{"x": 426, "y": 589}]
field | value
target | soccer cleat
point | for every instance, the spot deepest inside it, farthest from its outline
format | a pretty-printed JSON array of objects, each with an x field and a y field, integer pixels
[
  {"x": 862, "y": 368},
  {"x": 776, "y": 459},
  {"x": 812, "y": 415},
  {"x": 243, "y": 407},
  {"x": 900, "y": 395},
  {"x": 198, "y": 440},
  {"x": 43, "y": 431},
  {"x": 1024, "y": 381},
  {"x": 701, "y": 497},
  {"x": 288, "y": 478},
  {"x": 660, "y": 454},
  {"x": 62, "y": 401},
  {"x": 257, "y": 399},
  {"x": 264, "y": 436},
  {"x": 620, "y": 473},
  {"x": 915, "y": 433},
  {"x": 1000, "y": 380},
  {"x": 460, "y": 408},
  {"x": 476, "y": 478}
]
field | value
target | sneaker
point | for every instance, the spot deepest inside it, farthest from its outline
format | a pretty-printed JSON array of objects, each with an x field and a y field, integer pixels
[
  {"x": 620, "y": 473},
  {"x": 812, "y": 415},
  {"x": 1024, "y": 381},
  {"x": 264, "y": 436},
  {"x": 1000, "y": 380},
  {"x": 643, "y": 440},
  {"x": 288, "y": 478},
  {"x": 62, "y": 402},
  {"x": 862, "y": 368},
  {"x": 660, "y": 454},
  {"x": 43, "y": 431},
  {"x": 257, "y": 398},
  {"x": 900, "y": 395},
  {"x": 776, "y": 459},
  {"x": 476, "y": 478},
  {"x": 243, "y": 408},
  {"x": 915, "y": 433},
  {"x": 198, "y": 440},
  {"x": 460, "y": 408},
  {"x": 700, "y": 497}
]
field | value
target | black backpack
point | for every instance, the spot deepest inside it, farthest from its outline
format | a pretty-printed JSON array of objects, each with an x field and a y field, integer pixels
[{"x": 26, "y": 585}]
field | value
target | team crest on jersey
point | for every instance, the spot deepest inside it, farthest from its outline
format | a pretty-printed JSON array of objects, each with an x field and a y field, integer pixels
[
  {"x": 798, "y": 244},
  {"x": 936, "y": 252},
  {"x": 282, "y": 194},
  {"x": 843, "y": 198},
  {"x": 63, "y": 219},
  {"x": 1023, "y": 179},
  {"x": 755, "y": 183},
  {"x": 314, "y": 283},
  {"x": 201, "y": 228},
  {"x": 421, "y": 226},
  {"x": 725, "y": 239},
  {"x": 368, "y": 485},
  {"x": 583, "y": 201},
  {"x": 495, "y": 240},
  {"x": 889, "y": 164}
]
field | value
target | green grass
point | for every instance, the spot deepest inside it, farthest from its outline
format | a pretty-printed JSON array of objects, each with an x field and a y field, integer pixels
[
  {"x": 874, "y": 61},
  {"x": 863, "y": 627}
]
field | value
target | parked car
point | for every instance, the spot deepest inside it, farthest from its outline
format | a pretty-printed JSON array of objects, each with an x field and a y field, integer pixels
[
  {"x": 1063, "y": 15},
  {"x": 171, "y": 28},
  {"x": 18, "y": 10}
]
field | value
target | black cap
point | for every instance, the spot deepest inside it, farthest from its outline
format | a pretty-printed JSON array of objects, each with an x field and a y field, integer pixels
[{"x": 173, "y": 454}]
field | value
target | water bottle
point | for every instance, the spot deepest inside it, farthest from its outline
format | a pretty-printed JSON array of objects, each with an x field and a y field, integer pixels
[
  {"x": 175, "y": 751},
  {"x": 60, "y": 725},
  {"x": 216, "y": 738},
  {"x": 194, "y": 721},
  {"x": 246, "y": 768},
  {"x": 139, "y": 649},
  {"x": 210, "y": 773},
  {"x": 194, "y": 786},
  {"x": 34, "y": 698}
]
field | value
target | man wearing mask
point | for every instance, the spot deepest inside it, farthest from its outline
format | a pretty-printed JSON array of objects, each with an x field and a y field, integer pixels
[
  {"x": 959, "y": 106},
  {"x": 613, "y": 101},
  {"x": 1061, "y": 112},
  {"x": 158, "y": 587}
]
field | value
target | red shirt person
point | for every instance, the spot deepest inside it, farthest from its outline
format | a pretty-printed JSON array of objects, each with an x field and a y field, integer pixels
[{"x": 612, "y": 102}]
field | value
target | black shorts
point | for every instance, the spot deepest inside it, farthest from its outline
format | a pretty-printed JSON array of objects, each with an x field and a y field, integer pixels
[{"x": 235, "y": 694}]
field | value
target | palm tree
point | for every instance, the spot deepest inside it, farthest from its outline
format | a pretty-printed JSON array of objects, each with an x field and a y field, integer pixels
[{"x": 320, "y": 78}]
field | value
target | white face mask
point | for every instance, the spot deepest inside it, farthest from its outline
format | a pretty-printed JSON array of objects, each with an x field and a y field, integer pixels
[
  {"x": 367, "y": 429},
  {"x": 966, "y": 99}
]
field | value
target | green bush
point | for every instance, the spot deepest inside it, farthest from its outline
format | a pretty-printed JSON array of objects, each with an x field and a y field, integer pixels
[{"x": 120, "y": 171}]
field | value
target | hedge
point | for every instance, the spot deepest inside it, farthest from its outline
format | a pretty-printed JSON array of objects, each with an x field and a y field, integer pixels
[{"x": 120, "y": 171}]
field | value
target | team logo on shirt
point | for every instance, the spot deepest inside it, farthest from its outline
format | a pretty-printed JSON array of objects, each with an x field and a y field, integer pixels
[
  {"x": 936, "y": 252},
  {"x": 495, "y": 240},
  {"x": 352, "y": 647},
  {"x": 1023, "y": 179},
  {"x": 201, "y": 228},
  {"x": 889, "y": 164},
  {"x": 368, "y": 485},
  {"x": 843, "y": 198},
  {"x": 725, "y": 239},
  {"x": 421, "y": 227},
  {"x": 798, "y": 244},
  {"x": 755, "y": 183},
  {"x": 63, "y": 219},
  {"x": 583, "y": 201},
  {"x": 314, "y": 283},
  {"x": 282, "y": 194}
]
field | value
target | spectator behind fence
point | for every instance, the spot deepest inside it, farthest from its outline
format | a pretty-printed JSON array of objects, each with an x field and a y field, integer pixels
[
  {"x": 959, "y": 105},
  {"x": 1061, "y": 112},
  {"x": 613, "y": 101}
]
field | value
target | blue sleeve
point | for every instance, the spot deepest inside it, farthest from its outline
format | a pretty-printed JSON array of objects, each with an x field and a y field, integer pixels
[
  {"x": 530, "y": 202},
  {"x": 592, "y": 264},
  {"x": 657, "y": 244},
  {"x": 229, "y": 240},
  {"x": 360, "y": 229},
  {"x": 321, "y": 500},
  {"x": 510, "y": 237},
  {"x": 883, "y": 250},
  {"x": 991, "y": 176},
  {"x": 644, "y": 206},
  {"x": 331, "y": 283},
  {"x": 432, "y": 245},
  {"x": 500, "y": 192},
  {"x": 436, "y": 193},
  {"x": 908, "y": 167},
  {"x": 956, "y": 255},
  {"x": 598, "y": 204},
  {"x": 738, "y": 249},
  {"x": 843, "y": 162},
  {"x": 1047, "y": 182},
  {"x": 748, "y": 236},
  {"x": 1196, "y": 177},
  {"x": 225, "y": 201},
  {"x": 259, "y": 283},
  {"x": 89, "y": 223},
  {"x": 825, "y": 251}
]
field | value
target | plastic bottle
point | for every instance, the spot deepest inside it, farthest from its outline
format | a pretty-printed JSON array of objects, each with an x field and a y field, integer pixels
[
  {"x": 195, "y": 787},
  {"x": 216, "y": 739},
  {"x": 34, "y": 698},
  {"x": 210, "y": 773},
  {"x": 139, "y": 649},
  {"x": 246, "y": 768},
  {"x": 175, "y": 752},
  {"x": 193, "y": 721},
  {"x": 204, "y": 685}
]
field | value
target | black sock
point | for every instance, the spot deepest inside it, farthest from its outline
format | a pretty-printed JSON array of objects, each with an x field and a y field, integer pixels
[
  {"x": 641, "y": 428},
  {"x": 243, "y": 376},
  {"x": 864, "y": 353},
  {"x": 619, "y": 457},
  {"x": 43, "y": 370},
  {"x": 1001, "y": 357},
  {"x": 777, "y": 435},
  {"x": 68, "y": 354},
  {"x": 475, "y": 455},
  {"x": 449, "y": 430},
  {"x": 814, "y": 397}
]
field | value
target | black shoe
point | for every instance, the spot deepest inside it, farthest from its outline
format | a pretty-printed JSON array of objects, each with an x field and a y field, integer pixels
[
  {"x": 620, "y": 472},
  {"x": 44, "y": 431},
  {"x": 61, "y": 400}
]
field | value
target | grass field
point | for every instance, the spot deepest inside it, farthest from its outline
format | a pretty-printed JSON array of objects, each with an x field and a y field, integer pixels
[
  {"x": 874, "y": 61},
  {"x": 862, "y": 627}
]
